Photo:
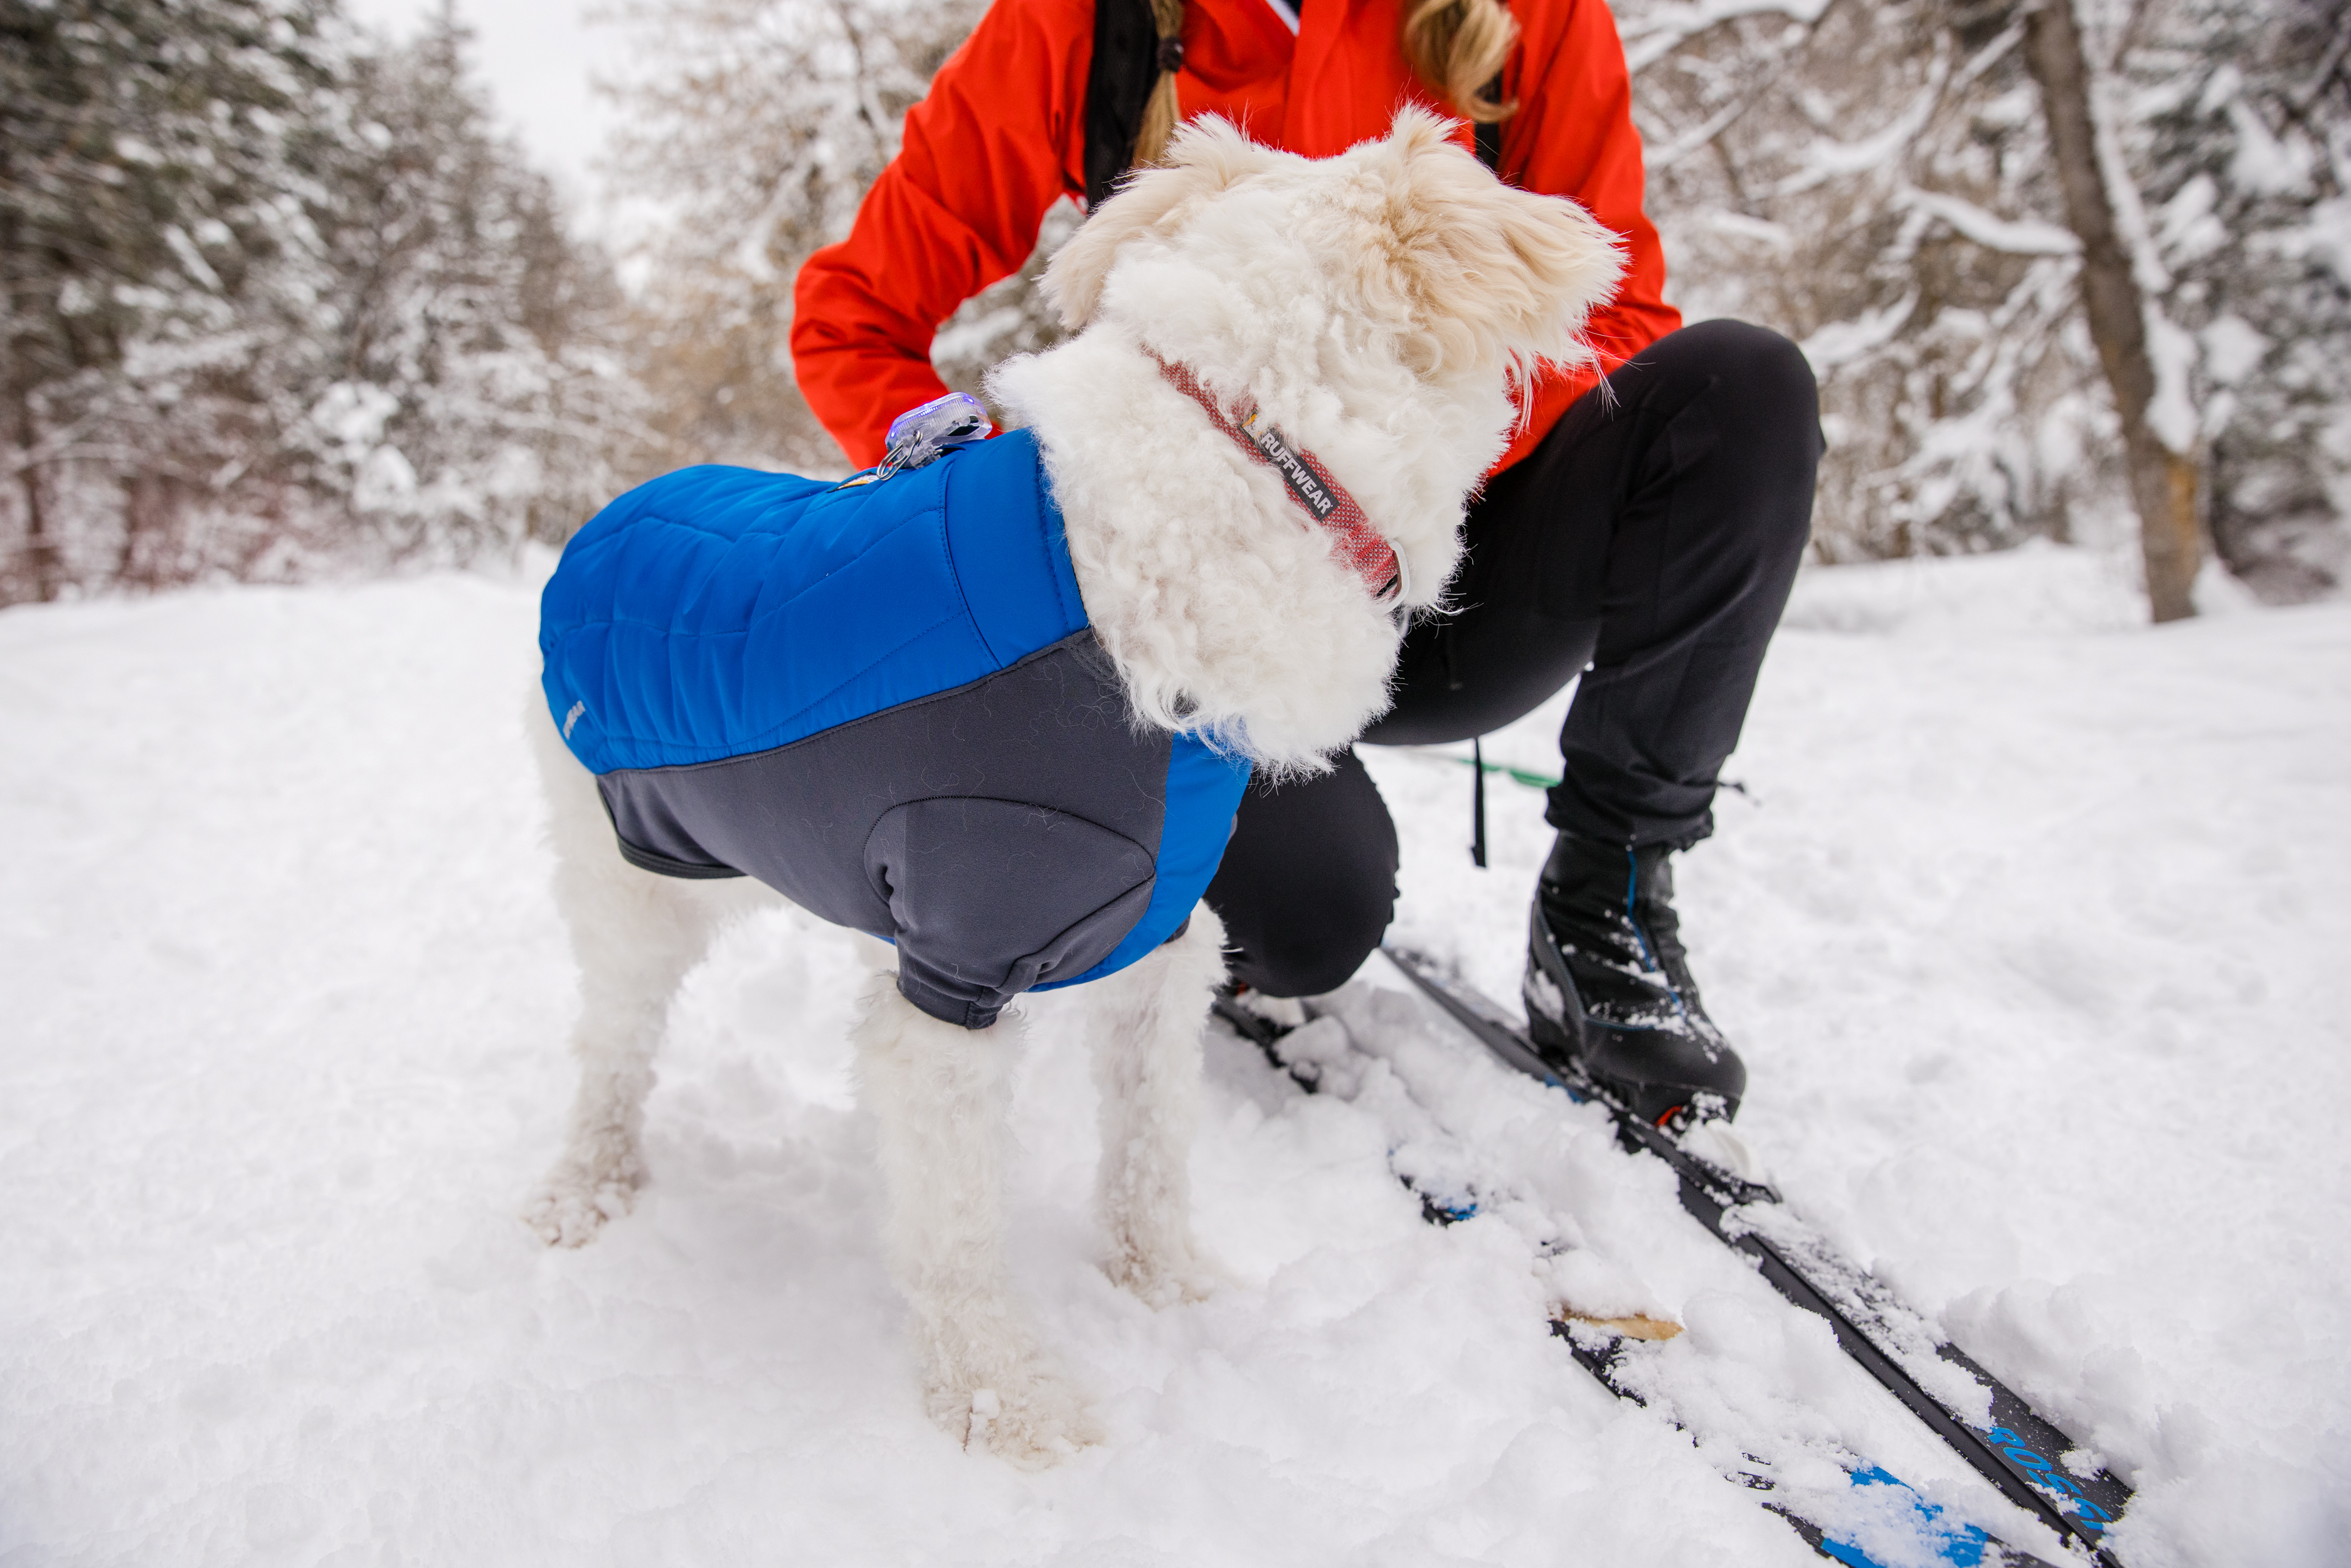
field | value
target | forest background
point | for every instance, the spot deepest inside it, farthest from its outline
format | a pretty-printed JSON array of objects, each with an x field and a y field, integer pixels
[{"x": 281, "y": 301}]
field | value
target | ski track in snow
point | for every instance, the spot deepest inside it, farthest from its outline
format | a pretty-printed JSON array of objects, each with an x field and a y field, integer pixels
[{"x": 2031, "y": 927}]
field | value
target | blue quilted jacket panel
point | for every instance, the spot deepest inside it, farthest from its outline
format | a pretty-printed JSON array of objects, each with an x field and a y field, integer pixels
[
  {"x": 884, "y": 700},
  {"x": 719, "y": 610}
]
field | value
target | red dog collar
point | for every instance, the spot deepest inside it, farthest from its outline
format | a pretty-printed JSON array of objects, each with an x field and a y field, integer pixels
[{"x": 1323, "y": 499}]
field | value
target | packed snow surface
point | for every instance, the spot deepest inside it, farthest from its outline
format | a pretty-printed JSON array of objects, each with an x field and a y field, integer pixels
[{"x": 2030, "y": 921}]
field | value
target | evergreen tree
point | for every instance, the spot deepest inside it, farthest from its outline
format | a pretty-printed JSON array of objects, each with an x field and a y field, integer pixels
[
  {"x": 149, "y": 204},
  {"x": 276, "y": 294},
  {"x": 473, "y": 394}
]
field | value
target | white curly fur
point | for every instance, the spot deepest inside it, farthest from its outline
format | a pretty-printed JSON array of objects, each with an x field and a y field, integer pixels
[
  {"x": 939, "y": 1092},
  {"x": 1376, "y": 306}
]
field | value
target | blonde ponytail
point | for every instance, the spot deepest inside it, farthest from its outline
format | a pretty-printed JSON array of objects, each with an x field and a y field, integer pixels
[
  {"x": 1159, "y": 111},
  {"x": 1457, "y": 47}
]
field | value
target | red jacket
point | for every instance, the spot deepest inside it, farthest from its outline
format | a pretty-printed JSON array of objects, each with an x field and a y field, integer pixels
[{"x": 1001, "y": 138}]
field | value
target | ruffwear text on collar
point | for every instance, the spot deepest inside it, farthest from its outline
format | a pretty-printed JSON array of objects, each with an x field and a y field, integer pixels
[{"x": 1322, "y": 497}]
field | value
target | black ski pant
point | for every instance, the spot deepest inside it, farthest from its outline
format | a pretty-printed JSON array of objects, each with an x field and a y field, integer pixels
[{"x": 1648, "y": 543}]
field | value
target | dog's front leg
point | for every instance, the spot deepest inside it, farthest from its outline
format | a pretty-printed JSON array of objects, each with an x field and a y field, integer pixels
[
  {"x": 939, "y": 1095},
  {"x": 1147, "y": 1075}
]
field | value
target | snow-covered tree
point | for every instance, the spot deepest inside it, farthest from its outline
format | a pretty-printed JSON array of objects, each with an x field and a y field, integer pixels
[
  {"x": 474, "y": 392},
  {"x": 755, "y": 128},
  {"x": 1875, "y": 178},
  {"x": 1870, "y": 177},
  {"x": 2235, "y": 115},
  {"x": 2120, "y": 277},
  {"x": 152, "y": 211},
  {"x": 275, "y": 293}
]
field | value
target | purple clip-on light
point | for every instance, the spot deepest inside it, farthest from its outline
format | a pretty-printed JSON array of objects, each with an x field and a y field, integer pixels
[{"x": 920, "y": 436}]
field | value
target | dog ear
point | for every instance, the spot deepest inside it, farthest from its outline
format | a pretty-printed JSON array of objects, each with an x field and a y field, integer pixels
[
  {"x": 1203, "y": 157},
  {"x": 1496, "y": 274}
]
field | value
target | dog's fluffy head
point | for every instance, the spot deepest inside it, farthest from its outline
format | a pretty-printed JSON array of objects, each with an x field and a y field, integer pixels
[
  {"x": 1377, "y": 306},
  {"x": 1410, "y": 235}
]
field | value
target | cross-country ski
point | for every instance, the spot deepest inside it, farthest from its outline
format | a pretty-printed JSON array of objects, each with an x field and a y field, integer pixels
[
  {"x": 1893, "y": 1522},
  {"x": 2010, "y": 1445}
]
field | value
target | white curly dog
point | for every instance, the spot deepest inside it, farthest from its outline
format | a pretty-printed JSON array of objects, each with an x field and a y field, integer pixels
[{"x": 1377, "y": 306}]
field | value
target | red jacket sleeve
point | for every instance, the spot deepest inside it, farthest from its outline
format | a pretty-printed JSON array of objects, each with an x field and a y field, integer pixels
[
  {"x": 1573, "y": 136},
  {"x": 997, "y": 142}
]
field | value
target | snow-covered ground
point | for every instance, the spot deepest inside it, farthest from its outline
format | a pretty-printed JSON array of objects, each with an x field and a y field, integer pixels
[{"x": 2032, "y": 923}]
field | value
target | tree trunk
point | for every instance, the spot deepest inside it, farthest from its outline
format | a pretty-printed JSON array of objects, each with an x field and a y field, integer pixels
[
  {"x": 40, "y": 555},
  {"x": 2164, "y": 483},
  {"x": 40, "y": 551}
]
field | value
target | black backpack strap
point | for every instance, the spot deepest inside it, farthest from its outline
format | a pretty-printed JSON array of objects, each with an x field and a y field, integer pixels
[
  {"x": 1490, "y": 132},
  {"x": 1489, "y": 144},
  {"x": 1118, "y": 85}
]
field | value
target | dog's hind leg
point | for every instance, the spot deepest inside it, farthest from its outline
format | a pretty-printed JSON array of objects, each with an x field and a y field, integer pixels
[
  {"x": 1146, "y": 1026},
  {"x": 635, "y": 936},
  {"x": 939, "y": 1096}
]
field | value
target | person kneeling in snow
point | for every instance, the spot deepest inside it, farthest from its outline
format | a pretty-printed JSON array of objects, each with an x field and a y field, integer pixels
[{"x": 1643, "y": 530}]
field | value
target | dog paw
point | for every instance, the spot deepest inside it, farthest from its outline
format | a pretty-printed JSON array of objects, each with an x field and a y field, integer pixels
[
  {"x": 573, "y": 1207},
  {"x": 1167, "y": 1277},
  {"x": 1035, "y": 1422}
]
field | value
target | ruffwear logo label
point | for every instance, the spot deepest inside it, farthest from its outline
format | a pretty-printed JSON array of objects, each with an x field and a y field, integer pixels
[
  {"x": 573, "y": 717},
  {"x": 1304, "y": 482}
]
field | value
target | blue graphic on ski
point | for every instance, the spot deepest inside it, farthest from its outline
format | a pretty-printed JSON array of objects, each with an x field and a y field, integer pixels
[
  {"x": 2017, "y": 1449},
  {"x": 1909, "y": 1518}
]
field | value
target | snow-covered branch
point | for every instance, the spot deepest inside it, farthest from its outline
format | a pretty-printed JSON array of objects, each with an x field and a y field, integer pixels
[
  {"x": 1657, "y": 31},
  {"x": 2011, "y": 236}
]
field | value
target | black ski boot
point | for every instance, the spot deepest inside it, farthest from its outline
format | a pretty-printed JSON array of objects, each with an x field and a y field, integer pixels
[{"x": 1608, "y": 986}]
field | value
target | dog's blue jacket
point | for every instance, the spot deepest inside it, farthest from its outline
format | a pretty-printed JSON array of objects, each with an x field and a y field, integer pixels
[{"x": 884, "y": 701}]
